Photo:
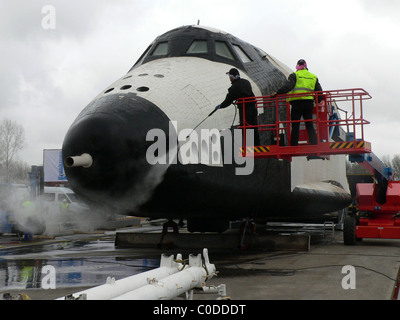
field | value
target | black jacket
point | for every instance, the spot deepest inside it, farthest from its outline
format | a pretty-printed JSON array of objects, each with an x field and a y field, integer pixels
[
  {"x": 291, "y": 83},
  {"x": 241, "y": 88}
]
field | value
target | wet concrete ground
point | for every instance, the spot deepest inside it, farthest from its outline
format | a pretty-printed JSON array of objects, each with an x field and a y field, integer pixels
[
  {"x": 86, "y": 260},
  {"x": 80, "y": 260}
]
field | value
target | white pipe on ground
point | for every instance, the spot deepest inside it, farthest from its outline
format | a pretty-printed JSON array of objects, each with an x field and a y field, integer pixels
[
  {"x": 193, "y": 276},
  {"x": 112, "y": 288}
]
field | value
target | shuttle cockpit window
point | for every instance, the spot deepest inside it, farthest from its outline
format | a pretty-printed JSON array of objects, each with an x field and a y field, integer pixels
[
  {"x": 198, "y": 46},
  {"x": 242, "y": 55},
  {"x": 223, "y": 50},
  {"x": 161, "y": 49},
  {"x": 143, "y": 56}
]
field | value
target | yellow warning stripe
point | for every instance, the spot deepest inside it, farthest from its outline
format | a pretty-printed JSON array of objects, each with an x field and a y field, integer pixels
[
  {"x": 257, "y": 149},
  {"x": 346, "y": 145}
]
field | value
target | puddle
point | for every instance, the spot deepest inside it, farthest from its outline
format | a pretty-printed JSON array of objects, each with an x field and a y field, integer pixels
[
  {"x": 27, "y": 274},
  {"x": 91, "y": 264}
]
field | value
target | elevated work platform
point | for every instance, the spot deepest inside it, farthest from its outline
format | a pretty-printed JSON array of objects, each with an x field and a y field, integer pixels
[
  {"x": 322, "y": 149},
  {"x": 338, "y": 130}
]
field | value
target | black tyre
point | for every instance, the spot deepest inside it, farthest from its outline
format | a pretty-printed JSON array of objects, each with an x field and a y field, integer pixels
[{"x": 349, "y": 230}]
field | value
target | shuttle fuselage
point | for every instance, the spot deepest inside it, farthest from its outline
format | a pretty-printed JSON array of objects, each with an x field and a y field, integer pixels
[{"x": 144, "y": 118}]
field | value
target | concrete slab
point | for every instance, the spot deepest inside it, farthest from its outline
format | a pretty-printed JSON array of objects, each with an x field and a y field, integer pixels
[{"x": 316, "y": 275}]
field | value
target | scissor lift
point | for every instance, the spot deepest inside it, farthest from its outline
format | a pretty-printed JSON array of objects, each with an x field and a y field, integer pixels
[{"x": 335, "y": 135}]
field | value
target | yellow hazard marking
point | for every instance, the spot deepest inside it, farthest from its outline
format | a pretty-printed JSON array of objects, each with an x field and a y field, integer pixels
[
  {"x": 346, "y": 145},
  {"x": 258, "y": 149}
]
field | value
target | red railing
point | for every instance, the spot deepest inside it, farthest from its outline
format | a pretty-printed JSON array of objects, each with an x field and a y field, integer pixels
[{"x": 351, "y": 107}]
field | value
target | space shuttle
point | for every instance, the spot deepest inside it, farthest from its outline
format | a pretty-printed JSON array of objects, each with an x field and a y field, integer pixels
[{"x": 128, "y": 150}]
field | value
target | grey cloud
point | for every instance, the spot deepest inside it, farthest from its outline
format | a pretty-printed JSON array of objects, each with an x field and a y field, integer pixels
[{"x": 96, "y": 41}]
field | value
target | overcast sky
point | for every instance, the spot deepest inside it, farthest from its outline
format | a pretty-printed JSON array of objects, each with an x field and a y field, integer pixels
[{"x": 49, "y": 76}]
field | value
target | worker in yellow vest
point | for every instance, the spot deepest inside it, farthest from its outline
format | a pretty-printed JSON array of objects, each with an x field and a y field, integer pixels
[
  {"x": 29, "y": 210},
  {"x": 64, "y": 206},
  {"x": 302, "y": 81},
  {"x": 30, "y": 222}
]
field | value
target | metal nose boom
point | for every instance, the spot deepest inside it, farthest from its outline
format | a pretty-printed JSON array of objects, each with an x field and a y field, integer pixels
[{"x": 85, "y": 160}]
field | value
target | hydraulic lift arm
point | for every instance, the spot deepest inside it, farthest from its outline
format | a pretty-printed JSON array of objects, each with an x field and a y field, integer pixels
[{"x": 380, "y": 172}]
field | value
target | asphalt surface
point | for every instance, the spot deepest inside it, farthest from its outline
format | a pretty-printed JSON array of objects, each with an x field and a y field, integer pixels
[{"x": 328, "y": 271}]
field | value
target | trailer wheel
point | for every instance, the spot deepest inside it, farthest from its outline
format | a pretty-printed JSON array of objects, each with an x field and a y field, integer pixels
[{"x": 349, "y": 230}]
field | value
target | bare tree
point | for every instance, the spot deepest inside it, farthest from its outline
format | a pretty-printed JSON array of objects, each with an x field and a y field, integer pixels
[
  {"x": 18, "y": 172},
  {"x": 355, "y": 168},
  {"x": 396, "y": 166},
  {"x": 12, "y": 139}
]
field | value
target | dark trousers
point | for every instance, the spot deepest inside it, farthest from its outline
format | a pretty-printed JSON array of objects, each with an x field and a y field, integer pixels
[
  {"x": 251, "y": 119},
  {"x": 302, "y": 108}
]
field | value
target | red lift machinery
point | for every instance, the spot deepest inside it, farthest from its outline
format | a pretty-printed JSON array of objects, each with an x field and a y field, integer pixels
[{"x": 376, "y": 213}]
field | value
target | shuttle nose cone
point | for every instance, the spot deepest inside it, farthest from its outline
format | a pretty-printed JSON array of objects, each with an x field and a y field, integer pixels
[{"x": 109, "y": 139}]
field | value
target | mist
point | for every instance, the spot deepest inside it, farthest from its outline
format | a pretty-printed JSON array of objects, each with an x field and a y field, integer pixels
[{"x": 41, "y": 217}]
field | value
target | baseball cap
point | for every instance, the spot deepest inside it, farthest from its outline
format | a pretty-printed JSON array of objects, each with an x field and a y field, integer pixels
[{"x": 233, "y": 72}]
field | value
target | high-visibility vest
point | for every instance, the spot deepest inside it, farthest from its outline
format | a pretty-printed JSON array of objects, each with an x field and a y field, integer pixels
[
  {"x": 27, "y": 204},
  {"x": 29, "y": 208},
  {"x": 305, "y": 82},
  {"x": 64, "y": 206}
]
